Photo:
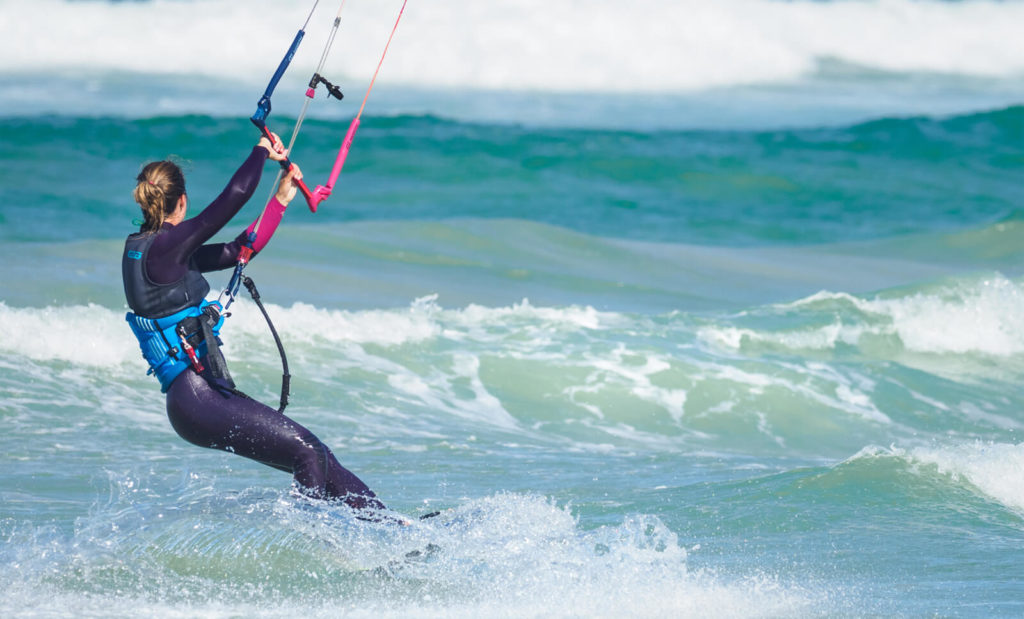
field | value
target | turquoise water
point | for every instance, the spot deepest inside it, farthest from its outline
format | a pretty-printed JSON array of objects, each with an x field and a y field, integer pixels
[{"x": 754, "y": 352}]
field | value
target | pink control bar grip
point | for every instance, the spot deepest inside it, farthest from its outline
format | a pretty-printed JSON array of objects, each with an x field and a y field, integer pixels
[
  {"x": 322, "y": 191},
  {"x": 306, "y": 193}
]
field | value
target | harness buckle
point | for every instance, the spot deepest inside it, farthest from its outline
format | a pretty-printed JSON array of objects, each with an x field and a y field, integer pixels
[
  {"x": 244, "y": 254},
  {"x": 189, "y": 350}
]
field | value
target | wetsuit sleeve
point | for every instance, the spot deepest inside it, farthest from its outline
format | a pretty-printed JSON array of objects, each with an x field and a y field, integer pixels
[
  {"x": 271, "y": 218},
  {"x": 168, "y": 257},
  {"x": 217, "y": 256}
]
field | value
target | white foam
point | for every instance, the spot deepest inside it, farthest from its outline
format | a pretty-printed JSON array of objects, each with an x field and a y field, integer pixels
[
  {"x": 423, "y": 320},
  {"x": 981, "y": 316},
  {"x": 507, "y": 555},
  {"x": 995, "y": 469},
  {"x": 615, "y": 368},
  {"x": 975, "y": 414},
  {"x": 88, "y": 335},
  {"x": 329, "y": 345},
  {"x": 814, "y": 382},
  {"x": 562, "y": 318},
  {"x": 98, "y": 336},
  {"x": 590, "y": 45},
  {"x": 308, "y": 323},
  {"x": 439, "y": 391}
]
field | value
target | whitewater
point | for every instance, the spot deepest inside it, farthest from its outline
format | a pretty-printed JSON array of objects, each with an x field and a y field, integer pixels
[{"x": 731, "y": 63}]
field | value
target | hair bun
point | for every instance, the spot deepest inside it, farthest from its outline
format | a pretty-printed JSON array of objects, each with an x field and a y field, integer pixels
[{"x": 166, "y": 185}]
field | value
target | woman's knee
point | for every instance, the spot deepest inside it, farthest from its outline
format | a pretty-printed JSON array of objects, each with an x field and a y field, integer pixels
[{"x": 311, "y": 462}]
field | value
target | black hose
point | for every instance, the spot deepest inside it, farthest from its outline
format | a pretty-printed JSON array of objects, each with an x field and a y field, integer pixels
[{"x": 286, "y": 378}]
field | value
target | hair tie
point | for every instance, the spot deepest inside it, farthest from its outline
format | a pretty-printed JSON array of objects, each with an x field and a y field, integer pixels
[{"x": 151, "y": 182}]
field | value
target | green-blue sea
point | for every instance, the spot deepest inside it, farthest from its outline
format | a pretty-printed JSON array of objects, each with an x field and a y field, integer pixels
[{"x": 728, "y": 324}]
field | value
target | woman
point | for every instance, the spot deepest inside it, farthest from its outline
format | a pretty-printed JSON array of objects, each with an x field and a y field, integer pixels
[{"x": 177, "y": 329}]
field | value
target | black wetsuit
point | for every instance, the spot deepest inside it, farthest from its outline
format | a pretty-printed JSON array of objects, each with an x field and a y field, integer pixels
[{"x": 208, "y": 411}]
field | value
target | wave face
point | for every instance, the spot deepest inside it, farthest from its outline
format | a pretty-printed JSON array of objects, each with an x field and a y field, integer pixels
[
  {"x": 774, "y": 379},
  {"x": 734, "y": 188}
]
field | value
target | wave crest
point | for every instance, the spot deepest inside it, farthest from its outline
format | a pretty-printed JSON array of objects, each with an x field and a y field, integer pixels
[
  {"x": 978, "y": 317},
  {"x": 596, "y": 45}
]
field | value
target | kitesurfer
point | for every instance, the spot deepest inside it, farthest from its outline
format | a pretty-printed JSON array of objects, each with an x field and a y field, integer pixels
[{"x": 178, "y": 329}]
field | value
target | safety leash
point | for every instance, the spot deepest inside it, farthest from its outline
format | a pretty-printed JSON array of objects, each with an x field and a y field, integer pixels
[{"x": 286, "y": 378}]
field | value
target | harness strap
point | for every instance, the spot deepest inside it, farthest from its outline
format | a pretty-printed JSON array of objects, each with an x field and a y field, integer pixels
[{"x": 173, "y": 343}]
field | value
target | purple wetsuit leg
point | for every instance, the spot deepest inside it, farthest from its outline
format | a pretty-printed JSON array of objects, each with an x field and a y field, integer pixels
[{"x": 219, "y": 419}]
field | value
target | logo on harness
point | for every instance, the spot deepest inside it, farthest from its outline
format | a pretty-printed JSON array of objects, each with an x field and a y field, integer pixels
[{"x": 135, "y": 255}]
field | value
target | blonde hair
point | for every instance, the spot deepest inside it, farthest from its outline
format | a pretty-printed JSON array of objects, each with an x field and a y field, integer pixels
[{"x": 160, "y": 185}]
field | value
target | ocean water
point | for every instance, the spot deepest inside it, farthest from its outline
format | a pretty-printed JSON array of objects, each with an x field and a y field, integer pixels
[{"x": 669, "y": 308}]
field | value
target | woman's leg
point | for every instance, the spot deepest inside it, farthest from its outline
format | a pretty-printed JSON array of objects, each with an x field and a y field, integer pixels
[{"x": 209, "y": 417}]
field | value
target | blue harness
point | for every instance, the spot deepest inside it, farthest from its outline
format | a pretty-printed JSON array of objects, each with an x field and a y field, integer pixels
[{"x": 166, "y": 342}]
